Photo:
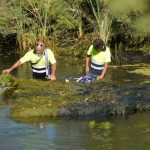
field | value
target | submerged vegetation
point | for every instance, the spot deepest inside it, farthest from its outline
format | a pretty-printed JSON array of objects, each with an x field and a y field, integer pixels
[
  {"x": 102, "y": 125},
  {"x": 66, "y": 23}
]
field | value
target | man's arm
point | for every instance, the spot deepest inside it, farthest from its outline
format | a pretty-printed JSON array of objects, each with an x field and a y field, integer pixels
[
  {"x": 53, "y": 74},
  {"x": 103, "y": 72},
  {"x": 15, "y": 65},
  {"x": 87, "y": 63}
]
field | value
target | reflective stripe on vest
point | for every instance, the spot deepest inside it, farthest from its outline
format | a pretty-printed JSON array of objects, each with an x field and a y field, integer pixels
[
  {"x": 97, "y": 65},
  {"x": 41, "y": 69}
]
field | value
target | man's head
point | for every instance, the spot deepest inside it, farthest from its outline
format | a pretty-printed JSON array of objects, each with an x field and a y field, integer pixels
[
  {"x": 39, "y": 47},
  {"x": 98, "y": 44}
]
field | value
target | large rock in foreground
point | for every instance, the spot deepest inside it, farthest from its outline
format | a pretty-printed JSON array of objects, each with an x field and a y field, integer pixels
[{"x": 60, "y": 99}]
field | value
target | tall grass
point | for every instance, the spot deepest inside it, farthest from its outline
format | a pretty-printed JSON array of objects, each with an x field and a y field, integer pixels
[{"x": 102, "y": 19}]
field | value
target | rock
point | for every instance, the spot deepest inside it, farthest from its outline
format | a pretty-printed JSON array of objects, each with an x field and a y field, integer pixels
[
  {"x": 6, "y": 80},
  {"x": 35, "y": 98},
  {"x": 7, "y": 85},
  {"x": 59, "y": 99}
]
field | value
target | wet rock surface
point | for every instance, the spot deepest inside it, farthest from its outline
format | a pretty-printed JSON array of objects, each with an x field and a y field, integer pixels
[
  {"x": 56, "y": 99},
  {"x": 33, "y": 98}
]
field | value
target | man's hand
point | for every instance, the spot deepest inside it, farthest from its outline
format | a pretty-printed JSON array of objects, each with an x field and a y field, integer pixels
[
  {"x": 103, "y": 72},
  {"x": 53, "y": 77},
  {"x": 87, "y": 69},
  {"x": 100, "y": 77},
  {"x": 6, "y": 71}
]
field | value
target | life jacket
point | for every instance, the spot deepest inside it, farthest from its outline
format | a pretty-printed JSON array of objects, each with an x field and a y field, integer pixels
[
  {"x": 96, "y": 66},
  {"x": 43, "y": 71}
]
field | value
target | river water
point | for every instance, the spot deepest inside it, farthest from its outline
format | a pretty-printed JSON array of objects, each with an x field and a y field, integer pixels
[{"x": 127, "y": 132}]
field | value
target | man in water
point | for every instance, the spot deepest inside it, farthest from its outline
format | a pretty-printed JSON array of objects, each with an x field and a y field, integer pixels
[
  {"x": 40, "y": 59},
  {"x": 97, "y": 59}
]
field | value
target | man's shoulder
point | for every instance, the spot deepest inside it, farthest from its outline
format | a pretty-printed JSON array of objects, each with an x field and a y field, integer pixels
[
  {"x": 49, "y": 51},
  {"x": 107, "y": 49},
  {"x": 90, "y": 48},
  {"x": 30, "y": 51}
]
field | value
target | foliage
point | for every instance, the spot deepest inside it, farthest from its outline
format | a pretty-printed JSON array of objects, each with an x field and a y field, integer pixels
[
  {"x": 7, "y": 80},
  {"x": 38, "y": 18},
  {"x": 52, "y": 19},
  {"x": 10, "y": 15},
  {"x": 131, "y": 13},
  {"x": 102, "y": 18}
]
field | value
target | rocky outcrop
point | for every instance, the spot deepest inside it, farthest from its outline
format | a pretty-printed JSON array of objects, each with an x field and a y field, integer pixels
[
  {"x": 53, "y": 99},
  {"x": 60, "y": 99}
]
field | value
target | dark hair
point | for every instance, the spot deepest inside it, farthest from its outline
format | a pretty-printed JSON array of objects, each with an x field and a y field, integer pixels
[{"x": 98, "y": 44}]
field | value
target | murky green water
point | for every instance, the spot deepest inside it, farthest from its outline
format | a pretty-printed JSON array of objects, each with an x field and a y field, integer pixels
[{"x": 127, "y": 133}]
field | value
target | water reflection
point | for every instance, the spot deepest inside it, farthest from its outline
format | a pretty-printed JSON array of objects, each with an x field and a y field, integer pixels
[{"x": 125, "y": 134}]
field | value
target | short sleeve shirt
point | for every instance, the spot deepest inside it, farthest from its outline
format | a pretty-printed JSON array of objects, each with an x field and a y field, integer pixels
[
  {"x": 102, "y": 56},
  {"x": 31, "y": 57}
]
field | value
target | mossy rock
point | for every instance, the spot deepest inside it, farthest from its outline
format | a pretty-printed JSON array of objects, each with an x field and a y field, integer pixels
[
  {"x": 35, "y": 107},
  {"x": 35, "y": 98},
  {"x": 39, "y": 87},
  {"x": 59, "y": 99},
  {"x": 8, "y": 85},
  {"x": 7, "y": 80}
]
